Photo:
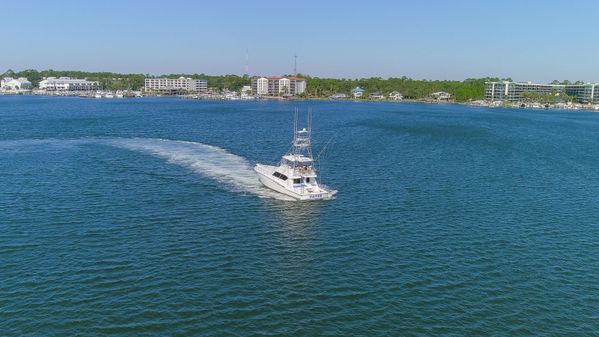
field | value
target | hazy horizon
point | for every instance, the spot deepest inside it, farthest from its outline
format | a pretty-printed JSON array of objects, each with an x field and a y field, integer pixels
[{"x": 533, "y": 41}]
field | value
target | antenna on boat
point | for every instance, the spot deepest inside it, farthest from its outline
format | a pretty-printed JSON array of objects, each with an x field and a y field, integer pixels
[
  {"x": 301, "y": 135},
  {"x": 295, "y": 117},
  {"x": 309, "y": 122}
]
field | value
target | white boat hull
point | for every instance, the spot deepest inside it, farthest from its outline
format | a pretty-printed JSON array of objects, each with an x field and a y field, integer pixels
[{"x": 320, "y": 194}]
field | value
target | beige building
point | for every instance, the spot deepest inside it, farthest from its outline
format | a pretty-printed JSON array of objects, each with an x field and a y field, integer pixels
[
  {"x": 173, "y": 85},
  {"x": 278, "y": 86}
]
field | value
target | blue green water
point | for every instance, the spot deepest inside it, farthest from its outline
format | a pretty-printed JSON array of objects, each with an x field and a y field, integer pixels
[{"x": 143, "y": 218}]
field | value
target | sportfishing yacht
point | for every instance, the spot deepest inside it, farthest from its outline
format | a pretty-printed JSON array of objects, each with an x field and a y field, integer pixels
[{"x": 295, "y": 175}]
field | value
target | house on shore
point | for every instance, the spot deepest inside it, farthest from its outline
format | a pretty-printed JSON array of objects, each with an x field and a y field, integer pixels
[
  {"x": 357, "y": 92},
  {"x": 441, "y": 96},
  {"x": 376, "y": 96},
  {"x": 395, "y": 96}
]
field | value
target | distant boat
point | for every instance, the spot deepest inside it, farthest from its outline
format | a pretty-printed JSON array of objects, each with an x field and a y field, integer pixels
[
  {"x": 98, "y": 95},
  {"x": 108, "y": 95},
  {"x": 296, "y": 176}
]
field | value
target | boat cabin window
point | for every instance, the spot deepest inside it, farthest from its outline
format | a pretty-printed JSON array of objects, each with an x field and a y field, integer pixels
[
  {"x": 297, "y": 180},
  {"x": 307, "y": 179},
  {"x": 280, "y": 175}
]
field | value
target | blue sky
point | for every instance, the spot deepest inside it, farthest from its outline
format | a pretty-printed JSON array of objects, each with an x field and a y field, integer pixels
[{"x": 525, "y": 40}]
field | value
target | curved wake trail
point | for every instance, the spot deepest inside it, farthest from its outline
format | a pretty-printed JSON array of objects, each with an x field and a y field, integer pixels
[
  {"x": 232, "y": 171},
  {"x": 209, "y": 161}
]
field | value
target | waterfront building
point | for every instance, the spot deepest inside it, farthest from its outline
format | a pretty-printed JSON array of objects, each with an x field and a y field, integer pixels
[
  {"x": 246, "y": 92},
  {"x": 273, "y": 86},
  {"x": 338, "y": 95},
  {"x": 376, "y": 96},
  {"x": 396, "y": 96},
  {"x": 441, "y": 95},
  {"x": 15, "y": 84},
  {"x": 68, "y": 84},
  {"x": 357, "y": 92},
  {"x": 175, "y": 85},
  {"x": 297, "y": 85},
  {"x": 276, "y": 86},
  {"x": 515, "y": 91},
  {"x": 285, "y": 86},
  {"x": 260, "y": 86},
  {"x": 246, "y": 89}
]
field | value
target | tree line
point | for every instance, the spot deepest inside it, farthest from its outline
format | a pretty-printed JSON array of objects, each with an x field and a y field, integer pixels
[
  {"x": 117, "y": 81},
  {"x": 469, "y": 89}
]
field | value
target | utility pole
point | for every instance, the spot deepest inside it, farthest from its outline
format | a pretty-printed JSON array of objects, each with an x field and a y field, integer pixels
[
  {"x": 247, "y": 62},
  {"x": 295, "y": 65}
]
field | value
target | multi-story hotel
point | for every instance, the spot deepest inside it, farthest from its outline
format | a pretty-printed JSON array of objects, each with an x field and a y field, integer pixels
[
  {"x": 275, "y": 86},
  {"x": 68, "y": 84},
  {"x": 513, "y": 91},
  {"x": 174, "y": 85}
]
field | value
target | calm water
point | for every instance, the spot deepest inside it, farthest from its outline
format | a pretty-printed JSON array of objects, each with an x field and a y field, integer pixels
[{"x": 143, "y": 218}]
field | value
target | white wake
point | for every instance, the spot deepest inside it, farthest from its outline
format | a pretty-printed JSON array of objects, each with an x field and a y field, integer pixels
[{"x": 233, "y": 171}]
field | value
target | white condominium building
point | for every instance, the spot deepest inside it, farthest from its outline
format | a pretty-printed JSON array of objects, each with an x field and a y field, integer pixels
[
  {"x": 260, "y": 86},
  {"x": 516, "y": 91},
  {"x": 176, "y": 84},
  {"x": 297, "y": 85},
  {"x": 68, "y": 84},
  {"x": 275, "y": 86},
  {"x": 15, "y": 84},
  {"x": 284, "y": 86}
]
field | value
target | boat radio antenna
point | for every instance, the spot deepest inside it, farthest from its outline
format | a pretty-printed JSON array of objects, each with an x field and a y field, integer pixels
[
  {"x": 309, "y": 122},
  {"x": 301, "y": 135},
  {"x": 295, "y": 117}
]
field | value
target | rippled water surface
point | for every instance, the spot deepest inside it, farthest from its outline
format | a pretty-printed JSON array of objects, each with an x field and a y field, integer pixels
[{"x": 144, "y": 218}]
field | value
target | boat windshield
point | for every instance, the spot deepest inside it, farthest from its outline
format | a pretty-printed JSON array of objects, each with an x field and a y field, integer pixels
[{"x": 297, "y": 160}]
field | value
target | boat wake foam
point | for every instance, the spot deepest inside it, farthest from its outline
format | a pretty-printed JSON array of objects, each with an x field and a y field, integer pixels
[
  {"x": 232, "y": 171},
  {"x": 209, "y": 161}
]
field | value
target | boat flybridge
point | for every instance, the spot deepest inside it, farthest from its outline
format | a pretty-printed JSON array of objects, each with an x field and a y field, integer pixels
[{"x": 296, "y": 176}]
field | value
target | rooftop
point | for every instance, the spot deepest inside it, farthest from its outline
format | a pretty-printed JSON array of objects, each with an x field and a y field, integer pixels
[{"x": 543, "y": 84}]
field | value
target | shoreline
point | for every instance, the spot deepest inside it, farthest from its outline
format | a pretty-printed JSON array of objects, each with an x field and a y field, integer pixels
[{"x": 209, "y": 97}]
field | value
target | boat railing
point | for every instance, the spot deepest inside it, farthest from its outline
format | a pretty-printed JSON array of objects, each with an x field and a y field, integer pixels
[
  {"x": 303, "y": 170},
  {"x": 325, "y": 187}
]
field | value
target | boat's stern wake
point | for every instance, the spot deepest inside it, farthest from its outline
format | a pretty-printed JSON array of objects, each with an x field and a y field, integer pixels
[{"x": 233, "y": 171}]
